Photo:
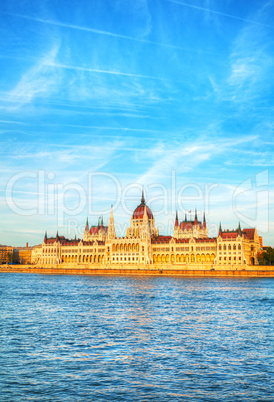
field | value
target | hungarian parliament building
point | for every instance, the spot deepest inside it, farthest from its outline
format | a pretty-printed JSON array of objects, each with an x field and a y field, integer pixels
[{"x": 143, "y": 246}]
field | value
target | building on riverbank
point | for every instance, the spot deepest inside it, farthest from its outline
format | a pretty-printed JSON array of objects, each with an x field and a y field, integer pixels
[
  {"x": 143, "y": 246},
  {"x": 6, "y": 254},
  {"x": 22, "y": 255}
]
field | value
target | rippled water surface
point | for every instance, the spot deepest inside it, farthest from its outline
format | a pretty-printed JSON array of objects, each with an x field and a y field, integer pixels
[{"x": 95, "y": 338}]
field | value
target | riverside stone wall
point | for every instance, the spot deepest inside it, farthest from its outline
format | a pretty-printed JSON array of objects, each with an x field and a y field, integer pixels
[{"x": 197, "y": 271}]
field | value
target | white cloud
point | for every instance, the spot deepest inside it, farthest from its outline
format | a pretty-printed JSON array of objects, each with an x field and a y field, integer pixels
[{"x": 39, "y": 80}]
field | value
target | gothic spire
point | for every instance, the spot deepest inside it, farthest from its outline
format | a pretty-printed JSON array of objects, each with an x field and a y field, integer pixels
[
  {"x": 143, "y": 197},
  {"x": 204, "y": 221},
  {"x": 111, "y": 214},
  {"x": 176, "y": 219},
  {"x": 220, "y": 229},
  {"x": 111, "y": 228},
  {"x": 196, "y": 218}
]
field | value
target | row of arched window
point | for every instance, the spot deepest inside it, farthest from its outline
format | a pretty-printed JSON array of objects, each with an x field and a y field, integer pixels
[
  {"x": 49, "y": 250},
  {"x": 126, "y": 247},
  {"x": 229, "y": 247},
  {"x": 179, "y": 258}
]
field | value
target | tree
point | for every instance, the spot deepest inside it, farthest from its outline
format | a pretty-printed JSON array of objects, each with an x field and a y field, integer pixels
[{"x": 267, "y": 257}]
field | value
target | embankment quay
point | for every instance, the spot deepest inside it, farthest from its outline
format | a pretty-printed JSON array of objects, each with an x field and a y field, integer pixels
[{"x": 187, "y": 271}]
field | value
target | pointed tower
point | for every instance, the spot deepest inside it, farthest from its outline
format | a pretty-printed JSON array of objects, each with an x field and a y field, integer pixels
[
  {"x": 145, "y": 225},
  {"x": 111, "y": 228},
  {"x": 176, "y": 219},
  {"x": 204, "y": 222},
  {"x": 87, "y": 226},
  {"x": 176, "y": 227},
  {"x": 143, "y": 198},
  {"x": 196, "y": 218},
  {"x": 46, "y": 237},
  {"x": 220, "y": 230},
  {"x": 239, "y": 228},
  {"x": 57, "y": 236},
  {"x": 101, "y": 225}
]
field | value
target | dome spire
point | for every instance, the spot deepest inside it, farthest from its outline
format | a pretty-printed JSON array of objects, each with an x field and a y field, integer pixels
[{"x": 143, "y": 197}]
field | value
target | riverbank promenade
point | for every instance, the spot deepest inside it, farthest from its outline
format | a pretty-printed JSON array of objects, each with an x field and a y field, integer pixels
[{"x": 186, "y": 270}]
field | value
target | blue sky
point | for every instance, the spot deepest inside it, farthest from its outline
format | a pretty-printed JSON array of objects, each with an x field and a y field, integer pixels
[{"x": 100, "y": 98}]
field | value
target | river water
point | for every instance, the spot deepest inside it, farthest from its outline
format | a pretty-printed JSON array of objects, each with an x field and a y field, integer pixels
[{"x": 101, "y": 338}]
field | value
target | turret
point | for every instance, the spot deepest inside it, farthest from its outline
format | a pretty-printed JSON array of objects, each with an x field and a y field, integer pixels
[
  {"x": 176, "y": 219},
  {"x": 145, "y": 225},
  {"x": 220, "y": 230},
  {"x": 196, "y": 218},
  {"x": 87, "y": 226},
  {"x": 111, "y": 228},
  {"x": 46, "y": 237},
  {"x": 204, "y": 222}
]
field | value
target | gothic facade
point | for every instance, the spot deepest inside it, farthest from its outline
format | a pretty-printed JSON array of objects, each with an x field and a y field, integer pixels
[{"x": 143, "y": 246}]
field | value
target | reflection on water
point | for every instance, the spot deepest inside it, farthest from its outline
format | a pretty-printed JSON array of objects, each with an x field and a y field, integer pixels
[{"x": 130, "y": 338}]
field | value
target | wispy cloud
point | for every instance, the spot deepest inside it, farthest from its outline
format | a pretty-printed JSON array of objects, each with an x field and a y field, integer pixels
[
  {"x": 184, "y": 158},
  {"x": 251, "y": 64},
  {"x": 104, "y": 33},
  {"x": 39, "y": 80},
  {"x": 220, "y": 13}
]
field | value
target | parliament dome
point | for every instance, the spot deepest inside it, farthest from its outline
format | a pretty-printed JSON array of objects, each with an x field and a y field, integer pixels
[{"x": 140, "y": 210}]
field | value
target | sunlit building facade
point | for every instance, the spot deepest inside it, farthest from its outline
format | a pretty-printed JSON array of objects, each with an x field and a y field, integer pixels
[{"x": 142, "y": 245}]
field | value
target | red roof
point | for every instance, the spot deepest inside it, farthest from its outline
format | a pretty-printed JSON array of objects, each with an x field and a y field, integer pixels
[
  {"x": 62, "y": 240},
  {"x": 249, "y": 233},
  {"x": 95, "y": 229},
  {"x": 139, "y": 212},
  {"x": 161, "y": 239},
  {"x": 187, "y": 225},
  {"x": 182, "y": 240},
  {"x": 230, "y": 235}
]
